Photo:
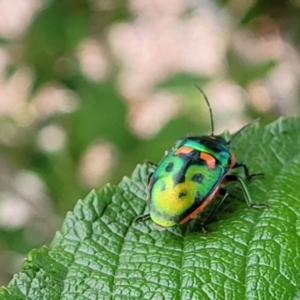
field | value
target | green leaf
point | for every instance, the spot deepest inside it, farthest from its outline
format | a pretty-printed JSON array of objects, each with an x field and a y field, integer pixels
[{"x": 100, "y": 253}]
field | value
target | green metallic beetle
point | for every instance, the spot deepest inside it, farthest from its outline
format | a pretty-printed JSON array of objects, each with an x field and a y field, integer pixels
[{"x": 190, "y": 175}]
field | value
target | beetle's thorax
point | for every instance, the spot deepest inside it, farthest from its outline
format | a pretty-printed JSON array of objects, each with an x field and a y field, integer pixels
[{"x": 214, "y": 145}]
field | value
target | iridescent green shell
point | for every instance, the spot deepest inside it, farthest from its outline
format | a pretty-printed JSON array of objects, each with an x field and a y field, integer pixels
[{"x": 185, "y": 178}]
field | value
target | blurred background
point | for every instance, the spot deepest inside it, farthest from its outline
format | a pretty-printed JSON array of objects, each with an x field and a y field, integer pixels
[{"x": 90, "y": 88}]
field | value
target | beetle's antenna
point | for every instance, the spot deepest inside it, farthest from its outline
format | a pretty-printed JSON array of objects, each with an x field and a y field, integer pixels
[
  {"x": 210, "y": 110},
  {"x": 236, "y": 133}
]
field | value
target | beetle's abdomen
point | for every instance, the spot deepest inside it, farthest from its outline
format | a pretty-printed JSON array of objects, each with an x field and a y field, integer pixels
[{"x": 181, "y": 183}]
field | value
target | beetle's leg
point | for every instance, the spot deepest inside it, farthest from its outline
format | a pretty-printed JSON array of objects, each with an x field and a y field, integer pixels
[
  {"x": 149, "y": 177},
  {"x": 225, "y": 194},
  {"x": 141, "y": 218},
  {"x": 246, "y": 193},
  {"x": 150, "y": 163},
  {"x": 246, "y": 170}
]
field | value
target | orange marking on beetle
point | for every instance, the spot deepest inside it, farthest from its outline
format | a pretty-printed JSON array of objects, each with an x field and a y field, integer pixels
[
  {"x": 194, "y": 213},
  {"x": 184, "y": 150},
  {"x": 210, "y": 160}
]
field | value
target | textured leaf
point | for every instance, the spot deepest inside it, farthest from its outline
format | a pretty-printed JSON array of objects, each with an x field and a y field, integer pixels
[{"x": 250, "y": 254}]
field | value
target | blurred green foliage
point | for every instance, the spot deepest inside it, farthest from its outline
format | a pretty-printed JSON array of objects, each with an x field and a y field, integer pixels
[{"x": 49, "y": 49}]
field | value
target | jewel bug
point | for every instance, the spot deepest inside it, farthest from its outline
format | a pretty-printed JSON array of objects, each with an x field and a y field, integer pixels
[{"x": 190, "y": 175}]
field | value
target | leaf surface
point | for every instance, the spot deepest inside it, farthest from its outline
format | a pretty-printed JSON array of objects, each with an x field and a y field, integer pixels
[{"x": 100, "y": 253}]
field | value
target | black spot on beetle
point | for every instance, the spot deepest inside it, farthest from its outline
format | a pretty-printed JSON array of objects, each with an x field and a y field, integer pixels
[
  {"x": 178, "y": 178},
  {"x": 198, "y": 198},
  {"x": 182, "y": 194},
  {"x": 169, "y": 167},
  {"x": 197, "y": 178}
]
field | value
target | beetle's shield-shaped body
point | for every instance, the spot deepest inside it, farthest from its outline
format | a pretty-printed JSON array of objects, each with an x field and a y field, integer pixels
[{"x": 187, "y": 178}]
